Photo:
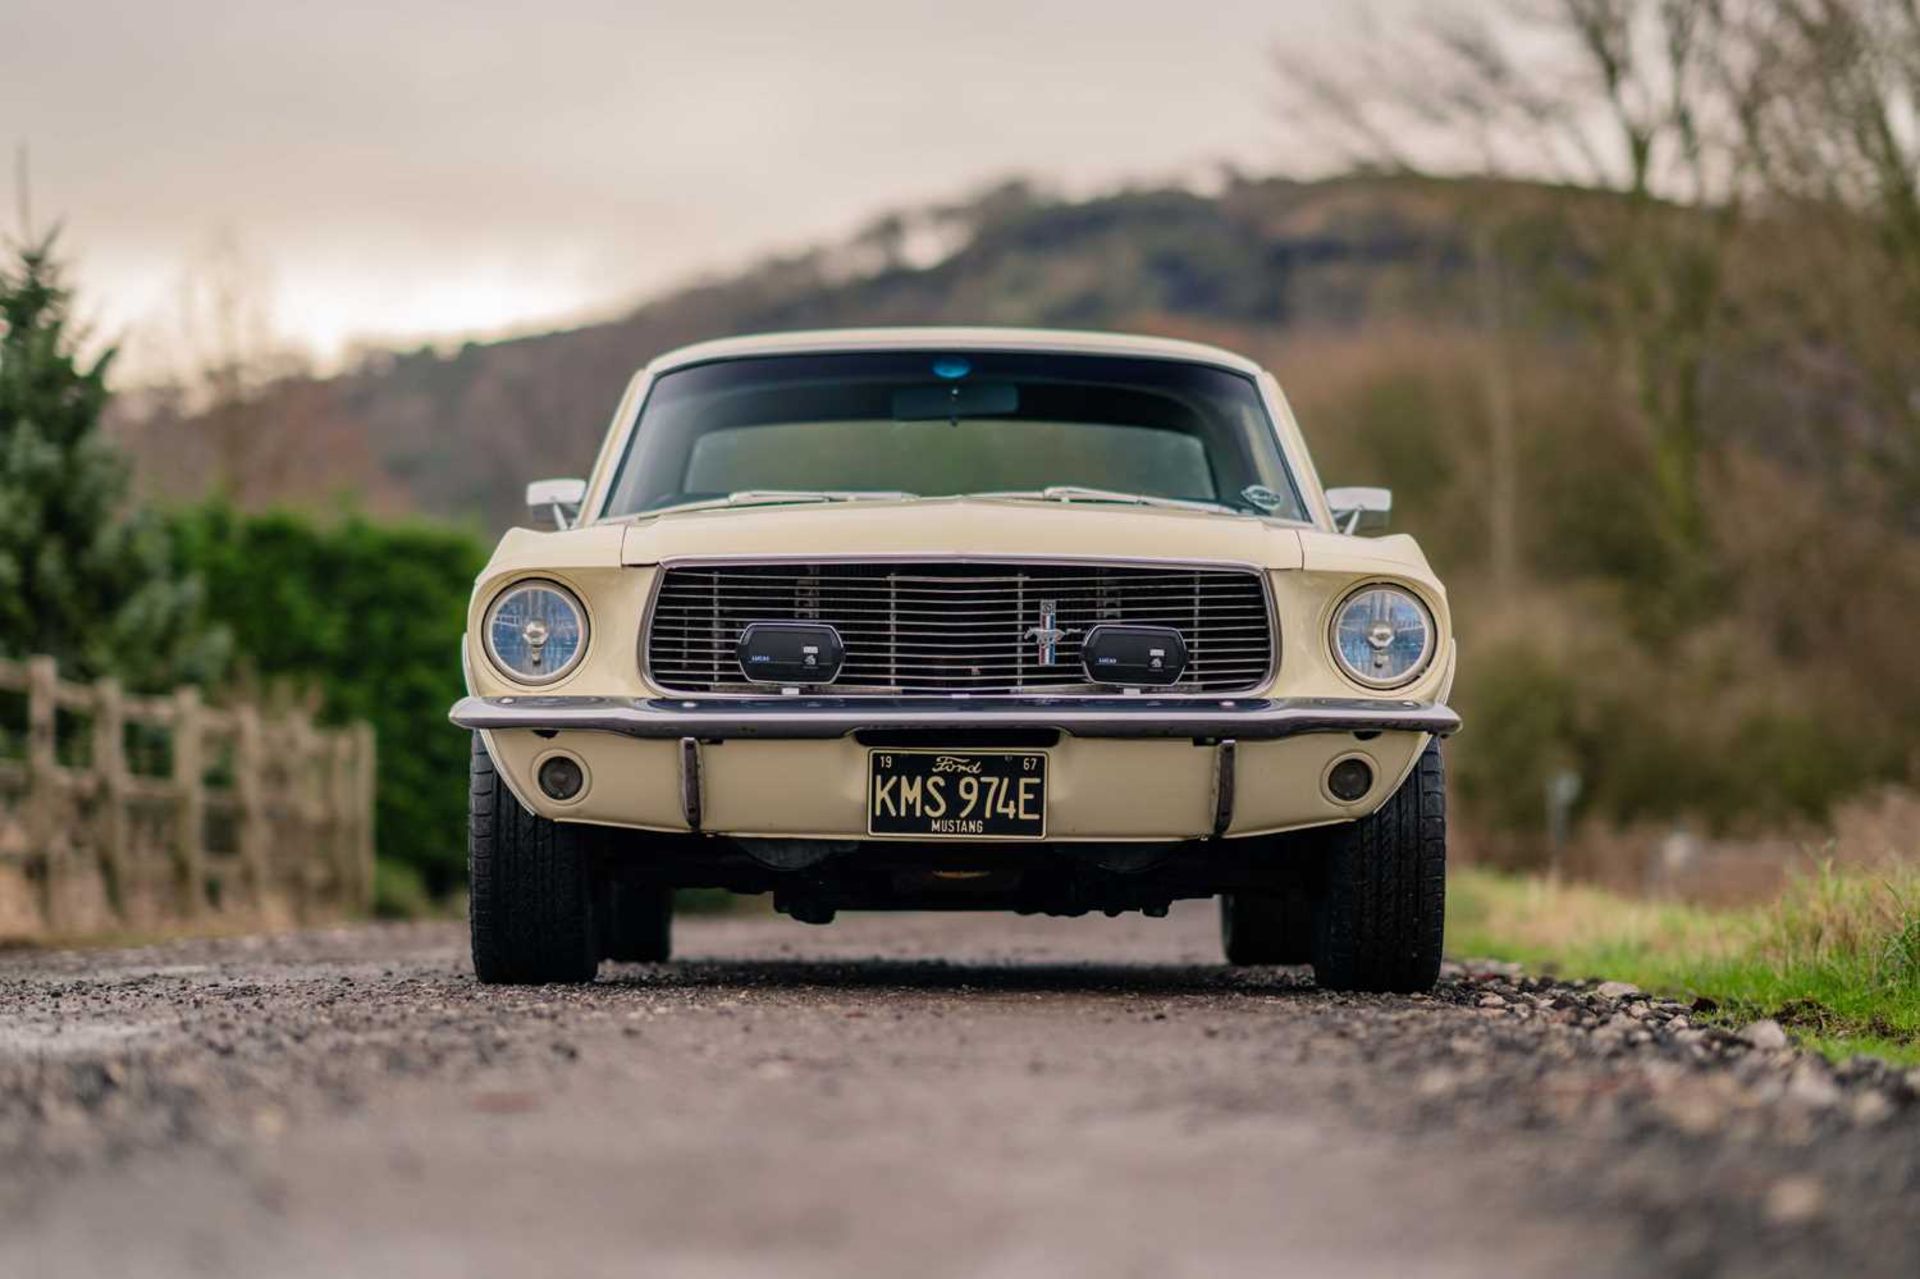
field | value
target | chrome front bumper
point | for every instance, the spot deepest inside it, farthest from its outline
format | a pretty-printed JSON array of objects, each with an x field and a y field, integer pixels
[{"x": 816, "y": 718}]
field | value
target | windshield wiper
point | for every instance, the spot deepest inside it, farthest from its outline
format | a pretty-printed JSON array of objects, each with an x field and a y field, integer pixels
[
  {"x": 1081, "y": 493},
  {"x": 761, "y": 497},
  {"x": 780, "y": 497}
]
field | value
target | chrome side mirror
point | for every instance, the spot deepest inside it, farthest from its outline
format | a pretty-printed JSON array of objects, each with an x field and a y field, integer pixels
[
  {"x": 555, "y": 504},
  {"x": 1358, "y": 510}
]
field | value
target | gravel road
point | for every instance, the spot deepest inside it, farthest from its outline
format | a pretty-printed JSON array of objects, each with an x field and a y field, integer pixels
[{"x": 910, "y": 1095}]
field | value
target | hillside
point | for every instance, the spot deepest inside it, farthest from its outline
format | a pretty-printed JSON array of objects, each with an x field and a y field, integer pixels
[{"x": 458, "y": 434}]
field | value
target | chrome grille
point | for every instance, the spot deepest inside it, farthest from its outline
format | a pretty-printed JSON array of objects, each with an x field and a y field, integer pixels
[{"x": 958, "y": 626}]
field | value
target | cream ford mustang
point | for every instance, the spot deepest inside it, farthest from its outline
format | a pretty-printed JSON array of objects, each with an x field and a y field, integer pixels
[{"x": 981, "y": 619}]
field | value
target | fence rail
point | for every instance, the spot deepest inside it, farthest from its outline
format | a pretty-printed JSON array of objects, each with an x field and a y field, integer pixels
[{"x": 121, "y": 812}]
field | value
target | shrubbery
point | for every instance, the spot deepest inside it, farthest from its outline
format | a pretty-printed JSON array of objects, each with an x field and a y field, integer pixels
[
  {"x": 364, "y": 620},
  {"x": 1768, "y": 684}
]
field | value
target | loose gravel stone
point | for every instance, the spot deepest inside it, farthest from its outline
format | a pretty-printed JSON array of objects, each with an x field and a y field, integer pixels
[
  {"x": 1871, "y": 1108},
  {"x": 1812, "y": 1085},
  {"x": 1794, "y": 1201},
  {"x": 1767, "y": 1035}
]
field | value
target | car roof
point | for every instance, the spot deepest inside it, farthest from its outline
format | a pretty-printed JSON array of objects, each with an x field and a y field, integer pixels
[{"x": 1060, "y": 341}]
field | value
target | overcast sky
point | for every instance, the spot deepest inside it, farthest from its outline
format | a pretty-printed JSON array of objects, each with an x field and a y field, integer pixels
[{"x": 425, "y": 167}]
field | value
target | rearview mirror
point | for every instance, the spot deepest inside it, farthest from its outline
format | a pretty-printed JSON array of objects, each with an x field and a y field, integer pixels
[
  {"x": 555, "y": 504},
  {"x": 1358, "y": 509},
  {"x": 955, "y": 400}
]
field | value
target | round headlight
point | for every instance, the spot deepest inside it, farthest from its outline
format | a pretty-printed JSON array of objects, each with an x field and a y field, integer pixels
[
  {"x": 1382, "y": 636},
  {"x": 536, "y": 632}
]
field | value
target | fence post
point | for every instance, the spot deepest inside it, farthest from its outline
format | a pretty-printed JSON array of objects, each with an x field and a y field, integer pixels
[
  {"x": 110, "y": 770},
  {"x": 189, "y": 780},
  {"x": 251, "y": 812},
  {"x": 304, "y": 799},
  {"x": 363, "y": 808},
  {"x": 338, "y": 753},
  {"x": 43, "y": 788}
]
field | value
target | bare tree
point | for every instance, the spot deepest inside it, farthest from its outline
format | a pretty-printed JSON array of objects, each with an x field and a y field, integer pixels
[
  {"x": 232, "y": 360},
  {"x": 1833, "y": 125},
  {"x": 1636, "y": 102},
  {"x": 23, "y": 192}
]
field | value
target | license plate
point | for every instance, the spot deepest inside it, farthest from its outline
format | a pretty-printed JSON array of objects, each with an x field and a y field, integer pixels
[{"x": 957, "y": 794}]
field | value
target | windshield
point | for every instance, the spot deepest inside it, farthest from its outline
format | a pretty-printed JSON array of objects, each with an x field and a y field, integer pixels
[{"x": 943, "y": 423}]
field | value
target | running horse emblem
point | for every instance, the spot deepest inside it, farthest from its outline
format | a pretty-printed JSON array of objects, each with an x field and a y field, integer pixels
[{"x": 1048, "y": 634}]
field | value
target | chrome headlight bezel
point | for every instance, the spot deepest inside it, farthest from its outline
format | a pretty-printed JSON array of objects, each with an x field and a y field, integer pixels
[
  {"x": 1428, "y": 648},
  {"x": 568, "y": 597}
]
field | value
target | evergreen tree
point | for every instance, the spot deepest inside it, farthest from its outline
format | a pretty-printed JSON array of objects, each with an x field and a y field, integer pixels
[{"x": 81, "y": 578}]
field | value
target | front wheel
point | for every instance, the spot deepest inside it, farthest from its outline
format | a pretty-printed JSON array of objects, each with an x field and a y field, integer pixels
[
  {"x": 529, "y": 888},
  {"x": 1382, "y": 914}
]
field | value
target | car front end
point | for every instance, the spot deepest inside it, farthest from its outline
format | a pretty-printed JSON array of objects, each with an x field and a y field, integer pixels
[{"x": 991, "y": 691}]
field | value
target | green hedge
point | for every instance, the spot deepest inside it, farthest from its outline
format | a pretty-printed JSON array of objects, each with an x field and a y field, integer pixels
[{"x": 366, "y": 618}]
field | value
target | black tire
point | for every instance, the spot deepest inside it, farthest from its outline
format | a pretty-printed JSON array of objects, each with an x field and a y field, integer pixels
[
  {"x": 1382, "y": 915},
  {"x": 530, "y": 888},
  {"x": 637, "y": 923},
  {"x": 1267, "y": 928}
]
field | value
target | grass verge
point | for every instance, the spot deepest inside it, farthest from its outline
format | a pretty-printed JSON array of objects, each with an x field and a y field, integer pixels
[{"x": 1836, "y": 959}]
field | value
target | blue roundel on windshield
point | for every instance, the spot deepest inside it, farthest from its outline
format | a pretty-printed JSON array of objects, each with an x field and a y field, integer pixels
[{"x": 951, "y": 366}]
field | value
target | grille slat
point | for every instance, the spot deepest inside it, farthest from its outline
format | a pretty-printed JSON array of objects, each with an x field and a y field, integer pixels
[
  {"x": 959, "y": 626},
  {"x": 939, "y": 645},
  {"x": 983, "y": 582}
]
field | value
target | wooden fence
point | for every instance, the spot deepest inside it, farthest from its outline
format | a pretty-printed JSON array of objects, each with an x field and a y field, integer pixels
[{"x": 124, "y": 813}]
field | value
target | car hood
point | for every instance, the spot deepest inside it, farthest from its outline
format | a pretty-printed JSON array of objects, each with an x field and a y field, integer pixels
[{"x": 959, "y": 527}]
